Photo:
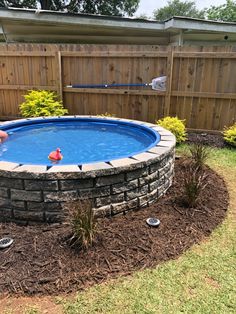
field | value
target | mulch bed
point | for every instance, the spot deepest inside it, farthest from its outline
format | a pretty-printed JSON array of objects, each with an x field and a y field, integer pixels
[
  {"x": 213, "y": 140},
  {"x": 40, "y": 262}
]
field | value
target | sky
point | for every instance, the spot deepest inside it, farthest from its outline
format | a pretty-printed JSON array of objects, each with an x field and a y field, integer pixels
[{"x": 148, "y": 6}]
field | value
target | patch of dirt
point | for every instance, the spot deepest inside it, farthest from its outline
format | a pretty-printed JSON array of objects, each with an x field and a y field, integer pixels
[
  {"x": 212, "y": 282},
  {"x": 213, "y": 140},
  {"x": 39, "y": 262},
  {"x": 42, "y": 305}
]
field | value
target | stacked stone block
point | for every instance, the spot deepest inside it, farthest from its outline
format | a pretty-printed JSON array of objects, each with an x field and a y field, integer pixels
[{"x": 42, "y": 200}]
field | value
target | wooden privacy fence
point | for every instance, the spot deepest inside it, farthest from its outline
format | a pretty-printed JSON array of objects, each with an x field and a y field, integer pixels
[{"x": 200, "y": 81}]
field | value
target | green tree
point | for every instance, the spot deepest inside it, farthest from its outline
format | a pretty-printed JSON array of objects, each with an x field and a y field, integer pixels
[
  {"x": 178, "y": 8},
  {"x": 112, "y": 7},
  {"x": 30, "y": 4},
  {"x": 225, "y": 12}
]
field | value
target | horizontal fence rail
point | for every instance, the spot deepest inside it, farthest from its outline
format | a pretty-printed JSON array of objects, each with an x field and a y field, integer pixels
[{"x": 201, "y": 83}]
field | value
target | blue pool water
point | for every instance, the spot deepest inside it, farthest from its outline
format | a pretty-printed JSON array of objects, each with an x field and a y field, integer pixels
[{"x": 80, "y": 140}]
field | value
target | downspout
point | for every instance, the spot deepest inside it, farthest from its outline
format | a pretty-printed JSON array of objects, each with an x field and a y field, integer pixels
[
  {"x": 181, "y": 39},
  {"x": 4, "y": 34}
]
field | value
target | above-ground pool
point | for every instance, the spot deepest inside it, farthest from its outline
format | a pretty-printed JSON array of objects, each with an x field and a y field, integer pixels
[
  {"x": 118, "y": 164},
  {"x": 80, "y": 140}
]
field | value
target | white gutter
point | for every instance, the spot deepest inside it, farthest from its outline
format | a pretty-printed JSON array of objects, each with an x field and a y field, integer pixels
[
  {"x": 80, "y": 19},
  {"x": 199, "y": 25}
]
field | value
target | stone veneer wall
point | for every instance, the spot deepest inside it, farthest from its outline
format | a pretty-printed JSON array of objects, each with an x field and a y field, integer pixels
[{"x": 35, "y": 194}]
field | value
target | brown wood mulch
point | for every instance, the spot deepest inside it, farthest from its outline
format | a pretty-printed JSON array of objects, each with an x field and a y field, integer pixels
[
  {"x": 40, "y": 262},
  {"x": 213, "y": 140}
]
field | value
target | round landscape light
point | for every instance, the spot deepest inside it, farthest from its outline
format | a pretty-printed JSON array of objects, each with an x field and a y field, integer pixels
[
  {"x": 5, "y": 242},
  {"x": 153, "y": 222}
]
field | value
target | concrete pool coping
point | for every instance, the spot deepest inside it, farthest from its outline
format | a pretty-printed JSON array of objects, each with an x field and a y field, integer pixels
[{"x": 114, "y": 166}]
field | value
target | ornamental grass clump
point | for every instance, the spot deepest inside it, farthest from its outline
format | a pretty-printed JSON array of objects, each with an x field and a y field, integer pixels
[
  {"x": 176, "y": 126},
  {"x": 195, "y": 180},
  {"x": 83, "y": 223},
  {"x": 230, "y": 135},
  {"x": 41, "y": 103},
  {"x": 199, "y": 155},
  {"x": 194, "y": 183}
]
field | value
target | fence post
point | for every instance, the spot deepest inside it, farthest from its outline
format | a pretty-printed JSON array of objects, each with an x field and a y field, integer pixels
[
  {"x": 59, "y": 74},
  {"x": 169, "y": 74}
]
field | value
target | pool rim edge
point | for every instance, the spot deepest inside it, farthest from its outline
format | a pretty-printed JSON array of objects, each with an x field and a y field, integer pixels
[{"x": 158, "y": 151}]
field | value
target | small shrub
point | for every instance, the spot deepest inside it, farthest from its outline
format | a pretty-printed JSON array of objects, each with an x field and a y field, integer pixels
[
  {"x": 194, "y": 184},
  {"x": 174, "y": 125},
  {"x": 199, "y": 154},
  {"x": 82, "y": 220},
  {"x": 106, "y": 114},
  {"x": 41, "y": 103},
  {"x": 230, "y": 135}
]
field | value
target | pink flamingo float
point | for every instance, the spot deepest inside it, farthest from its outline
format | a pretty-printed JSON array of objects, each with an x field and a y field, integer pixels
[
  {"x": 55, "y": 155},
  {"x": 3, "y": 136}
]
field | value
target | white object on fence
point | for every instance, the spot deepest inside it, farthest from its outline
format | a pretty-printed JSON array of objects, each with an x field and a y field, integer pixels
[{"x": 159, "y": 83}]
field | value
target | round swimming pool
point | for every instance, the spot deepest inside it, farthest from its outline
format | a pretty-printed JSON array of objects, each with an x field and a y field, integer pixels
[
  {"x": 80, "y": 140},
  {"x": 117, "y": 164}
]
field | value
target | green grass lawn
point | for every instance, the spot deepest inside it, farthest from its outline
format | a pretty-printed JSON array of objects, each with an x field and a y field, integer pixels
[{"x": 203, "y": 280}]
